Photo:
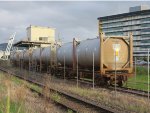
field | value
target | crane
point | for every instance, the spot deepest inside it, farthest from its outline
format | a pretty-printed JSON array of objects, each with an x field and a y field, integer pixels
[{"x": 5, "y": 54}]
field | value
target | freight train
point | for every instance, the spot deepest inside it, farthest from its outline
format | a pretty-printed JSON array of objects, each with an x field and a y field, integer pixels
[{"x": 108, "y": 58}]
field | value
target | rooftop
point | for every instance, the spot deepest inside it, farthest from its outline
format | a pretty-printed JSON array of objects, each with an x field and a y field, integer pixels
[
  {"x": 136, "y": 12},
  {"x": 29, "y": 44},
  {"x": 138, "y": 8},
  {"x": 44, "y": 27}
]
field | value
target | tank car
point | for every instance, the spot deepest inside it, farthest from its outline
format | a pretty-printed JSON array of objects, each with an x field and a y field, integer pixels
[
  {"x": 112, "y": 59},
  {"x": 15, "y": 57},
  {"x": 109, "y": 56}
]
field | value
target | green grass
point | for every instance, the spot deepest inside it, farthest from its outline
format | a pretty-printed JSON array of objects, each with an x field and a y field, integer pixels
[
  {"x": 15, "y": 107},
  {"x": 35, "y": 87},
  {"x": 140, "y": 70},
  {"x": 16, "y": 80},
  {"x": 69, "y": 111},
  {"x": 7, "y": 105},
  {"x": 2, "y": 87},
  {"x": 87, "y": 79},
  {"x": 140, "y": 80},
  {"x": 56, "y": 97}
]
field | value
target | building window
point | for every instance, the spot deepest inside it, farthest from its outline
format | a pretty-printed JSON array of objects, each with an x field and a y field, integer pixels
[
  {"x": 40, "y": 38},
  {"x": 145, "y": 19},
  {"x": 145, "y": 25},
  {"x": 145, "y": 30},
  {"x": 145, "y": 35},
  {"x": 43, "y": 39}
]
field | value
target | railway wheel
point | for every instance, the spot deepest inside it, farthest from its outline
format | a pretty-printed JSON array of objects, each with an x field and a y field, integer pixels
[
  {"x": 101, "y": 81},
  {"x": 120, "y": 83},
  {"x": 52, "y": 71},
  {"x": 71, "y": 75}
]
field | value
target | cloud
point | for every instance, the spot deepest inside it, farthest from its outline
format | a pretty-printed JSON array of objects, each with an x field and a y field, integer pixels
[{"x": 71, "y": 19}]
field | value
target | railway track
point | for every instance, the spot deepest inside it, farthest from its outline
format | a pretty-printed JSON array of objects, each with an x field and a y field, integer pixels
[
  {"x": 49, "y": 99},
  {"x": 71, "y": 101},
  {"x": 132, "y": 91},
  {"x": 119, "y": 89}
]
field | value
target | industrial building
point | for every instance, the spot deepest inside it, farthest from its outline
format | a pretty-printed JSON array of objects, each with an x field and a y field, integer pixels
[
  {"x": 137, "y": 21},
  {"x": 38, "y": 36}
]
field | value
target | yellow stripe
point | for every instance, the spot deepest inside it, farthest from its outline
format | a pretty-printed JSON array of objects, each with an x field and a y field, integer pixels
[{"x": 117, "y": 53}]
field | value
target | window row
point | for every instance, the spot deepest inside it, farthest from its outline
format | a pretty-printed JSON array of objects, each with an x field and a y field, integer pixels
[
  {"x": 115, "y": 33},
  {"x": 115, "y": 24},
  {"x": 138, "y": 17},
  {"x": 145, "y": 25},
  {"x": 145, "y": 35}
]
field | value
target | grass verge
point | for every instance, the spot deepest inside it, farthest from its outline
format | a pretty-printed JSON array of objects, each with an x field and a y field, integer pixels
[{"x": 140, "y": 80}]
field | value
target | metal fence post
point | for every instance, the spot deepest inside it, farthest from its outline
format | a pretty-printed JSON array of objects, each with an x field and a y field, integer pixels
[
  {"x": 77, "y": 67},
  {"x": 115, "y": 72},
  {"x": 116, "y": 48},
  {"x": 135, "y": 69},
  {"x": 64, "y": 65},
  {"x": 93, "y": 70},
  {"x": 148, "y": 74}
]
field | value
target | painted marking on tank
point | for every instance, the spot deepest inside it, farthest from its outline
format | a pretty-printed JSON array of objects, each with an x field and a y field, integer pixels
[{"x": 116, "y": 48}]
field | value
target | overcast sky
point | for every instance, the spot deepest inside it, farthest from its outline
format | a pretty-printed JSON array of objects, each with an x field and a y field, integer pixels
[{"x": 71, "y": 19}]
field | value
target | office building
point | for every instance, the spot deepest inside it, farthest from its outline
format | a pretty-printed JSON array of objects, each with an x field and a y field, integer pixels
[{"x": 137, "y": 21}]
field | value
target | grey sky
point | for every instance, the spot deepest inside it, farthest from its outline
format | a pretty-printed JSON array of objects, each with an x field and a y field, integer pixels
[{"x": 71, "y": 19}]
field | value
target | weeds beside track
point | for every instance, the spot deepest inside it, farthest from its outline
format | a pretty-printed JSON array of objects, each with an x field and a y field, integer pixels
[
  {"x": 75, "y": 103},
  {"x": 102, "y": 96},
  {"x": 119, "y": 89}
]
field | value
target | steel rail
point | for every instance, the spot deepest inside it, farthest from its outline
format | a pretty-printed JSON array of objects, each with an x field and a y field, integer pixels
[{"x": 119, "y": 89}]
